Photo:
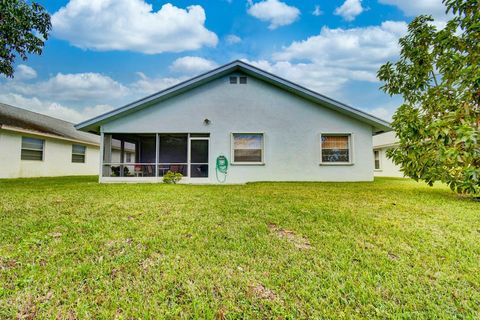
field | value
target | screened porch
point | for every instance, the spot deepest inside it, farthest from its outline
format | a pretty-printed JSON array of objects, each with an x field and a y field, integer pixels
[{"x": 154, "y": 154}]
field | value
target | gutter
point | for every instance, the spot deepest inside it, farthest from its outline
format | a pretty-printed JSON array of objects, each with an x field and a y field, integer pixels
[{"x": 46, "y": 135}]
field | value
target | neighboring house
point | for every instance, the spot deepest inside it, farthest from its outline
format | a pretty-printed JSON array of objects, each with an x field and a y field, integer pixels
[
  {"x": 268, "y": 128},
  {"x": 34, "y": 145},
  {"x": 383, "y": 166}
]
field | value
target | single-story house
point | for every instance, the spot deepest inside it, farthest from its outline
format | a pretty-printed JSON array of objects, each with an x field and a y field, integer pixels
[
  {"x": 266, "y": 127},
  {"x": 36, "y": 145},
  {"x": 383, "y": 166}
]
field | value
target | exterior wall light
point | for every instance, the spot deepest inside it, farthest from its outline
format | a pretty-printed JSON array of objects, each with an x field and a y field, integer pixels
[{"x": 207, "y": 122}]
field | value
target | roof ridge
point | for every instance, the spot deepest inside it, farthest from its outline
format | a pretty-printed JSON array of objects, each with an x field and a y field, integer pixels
[{"x": 41, "y": 114}]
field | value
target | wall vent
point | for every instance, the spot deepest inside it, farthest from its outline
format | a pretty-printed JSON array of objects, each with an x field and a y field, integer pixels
[
  {"x": 233, "y": 80},
  {"x": 243, "y": 80}
]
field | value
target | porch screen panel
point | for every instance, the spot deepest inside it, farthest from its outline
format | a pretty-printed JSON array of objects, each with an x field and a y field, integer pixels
[
  {"x": 172, "y": 153},
  {"x": 199, "y": 158}
]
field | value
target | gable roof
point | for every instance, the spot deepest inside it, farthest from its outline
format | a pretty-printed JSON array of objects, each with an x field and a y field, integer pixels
[
  {"x": 93, "y": 125},
  {"x": 18, "y": 119}
]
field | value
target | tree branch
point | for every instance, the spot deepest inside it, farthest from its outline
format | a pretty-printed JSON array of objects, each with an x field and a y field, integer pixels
[{"x": 434, "y": 78}]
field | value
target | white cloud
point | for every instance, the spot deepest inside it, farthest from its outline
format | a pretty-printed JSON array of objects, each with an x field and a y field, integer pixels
[
  {"x": 54, "y": 109},
  {"x": 382, "y": 113},
  {"x": 322, "y": 80},
  {"x": 132, "y": 25},
  {"x": 356, "y": 53},
  {"x": 25, "y": 72},
  {"x": 71, "y": 87},
  {"x": 327, "y": 61},
  {"x": 418, "y": 7},
  {"x": 191, "y": 65},
  {"x": 233, "y": 39},
  {"x": 276, "y": 12},
  {"x": 76, "y": 97},
  {"x": 350, "y": 9},
  {"x": 146, "y": 85},
  {"x": 317, "y": 11}
]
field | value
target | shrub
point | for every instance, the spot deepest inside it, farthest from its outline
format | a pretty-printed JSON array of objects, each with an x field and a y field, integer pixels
[{"x": 172, "y": 177}]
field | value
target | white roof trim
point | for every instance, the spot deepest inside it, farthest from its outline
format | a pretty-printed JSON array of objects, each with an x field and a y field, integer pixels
[{"x": 94, "y": 123}]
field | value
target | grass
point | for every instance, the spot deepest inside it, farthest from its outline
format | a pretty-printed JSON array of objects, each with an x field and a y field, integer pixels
[{"x": 72, "y": 248}]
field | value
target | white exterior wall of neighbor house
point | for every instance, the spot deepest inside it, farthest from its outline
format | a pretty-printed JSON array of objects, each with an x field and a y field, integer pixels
[
  {"x": 57, "y": 158},
  {"x": 291, "y": 127},
  {"x": 381, "y": 143}
]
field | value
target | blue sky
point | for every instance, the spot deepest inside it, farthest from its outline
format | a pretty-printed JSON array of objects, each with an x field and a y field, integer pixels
[{"x": 105, "y": 53}]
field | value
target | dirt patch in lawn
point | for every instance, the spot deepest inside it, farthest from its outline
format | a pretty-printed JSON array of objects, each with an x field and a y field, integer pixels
[
  {"x": 262, "y": 292},
  {"x": 298, "y": 241}
]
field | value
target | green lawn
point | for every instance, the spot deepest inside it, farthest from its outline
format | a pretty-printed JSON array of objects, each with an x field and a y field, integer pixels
[{"x": 72, "y": 248}]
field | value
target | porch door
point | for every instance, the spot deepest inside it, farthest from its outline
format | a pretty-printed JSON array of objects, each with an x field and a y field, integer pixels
[{"x": 199, "y": 157}]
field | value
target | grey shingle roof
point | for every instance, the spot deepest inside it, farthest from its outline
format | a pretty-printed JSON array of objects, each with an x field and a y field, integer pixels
[{"x": 28, "y": 120}]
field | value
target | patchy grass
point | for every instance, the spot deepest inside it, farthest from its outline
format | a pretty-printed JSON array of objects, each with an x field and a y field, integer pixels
[{"x": 71, "y": 248}]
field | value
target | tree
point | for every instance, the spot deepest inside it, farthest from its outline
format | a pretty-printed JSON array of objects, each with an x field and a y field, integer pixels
[
  {"x": 438, "y": 76},
  {"x": 24, "y": 29}
]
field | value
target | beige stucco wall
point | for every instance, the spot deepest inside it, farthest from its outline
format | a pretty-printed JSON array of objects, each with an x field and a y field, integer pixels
[
  {"x": 383, "y": 142},
  {"x": 387, "y": 167},
  {"x": 57, "y": 158}
]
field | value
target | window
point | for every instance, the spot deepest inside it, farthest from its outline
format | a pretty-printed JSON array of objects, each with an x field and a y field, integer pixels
[
  {"x": 32, "y": 149},
  {"x": 376, "y": 155},
  {"x": 243, "y": 80},
  {"x": 233, "y": 80},
  {"x": 78, "y": 153},
  {"x": 335, "y": 148},
  {"x": 129, "y": 157},
  {"x": 247, "y": 148}
]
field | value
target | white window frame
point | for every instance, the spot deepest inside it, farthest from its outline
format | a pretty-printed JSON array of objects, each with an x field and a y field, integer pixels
[
  {"x": 379, "y": 160},
  {"x": 350, "y": 161},
  {"x": 84, "y": 154},
  {"x": 43, "y": 148},
  {"x": 232, "y": 149}
]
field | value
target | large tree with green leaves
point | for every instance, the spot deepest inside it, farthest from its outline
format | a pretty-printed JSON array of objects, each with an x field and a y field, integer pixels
[
  {"x": 24, "y": 27},
  {"x": 438, "y": 76}
]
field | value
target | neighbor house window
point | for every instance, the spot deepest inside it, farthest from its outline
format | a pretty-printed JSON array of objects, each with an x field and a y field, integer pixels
[
  {"x": 247, "y": 148},
  {"x": 336, "y": 148},
  {"x": 376, "y": 155},
  {"x": 233, "y": 80},
  {"x": 78, "y": 153},
  {"x": 243, "y": 80},
  {"x": 32, "y": 149}
]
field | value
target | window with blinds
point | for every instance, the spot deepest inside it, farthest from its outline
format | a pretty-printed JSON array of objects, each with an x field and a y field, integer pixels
[
  {"x": 32, "y": 149},
  {"x": 247, "y": 148},
  {"x": 78, "y": 153},
  {"x": 335, "y": 148},
  {"x": 376, "y": 155}
]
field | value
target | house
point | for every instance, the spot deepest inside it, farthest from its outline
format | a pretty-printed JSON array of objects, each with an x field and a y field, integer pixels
[
  {"x": 35, "y": 145},
  {"x": 266, "y": 127},
  {"x": 383, "y": 166}
]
